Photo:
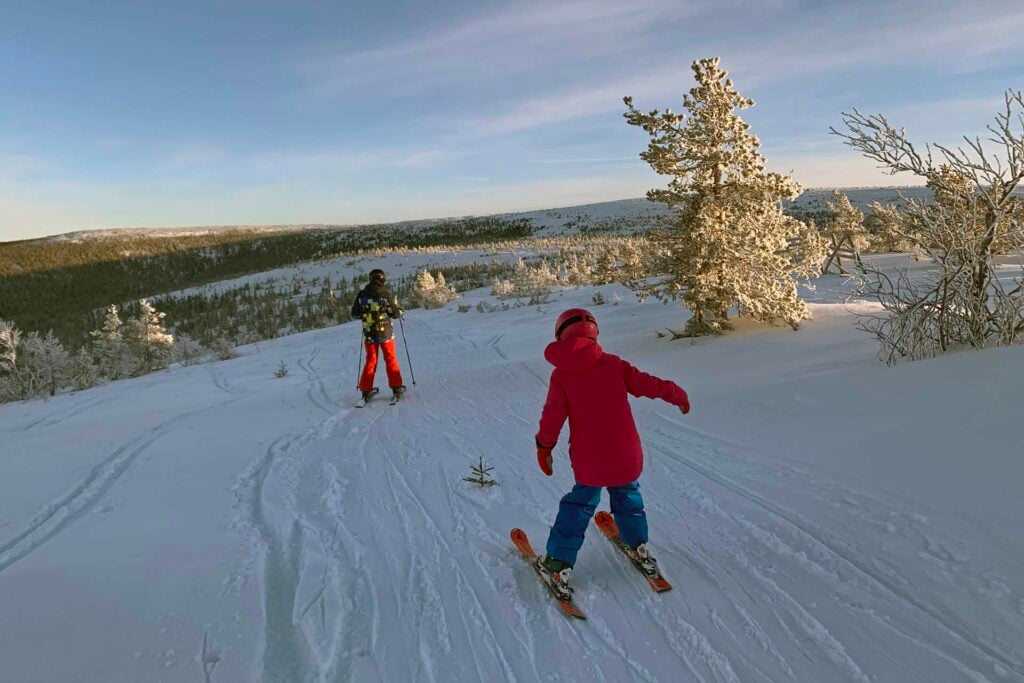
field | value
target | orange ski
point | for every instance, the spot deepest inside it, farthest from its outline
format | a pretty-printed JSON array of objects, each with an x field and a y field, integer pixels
[
  {"x": 521, "y": 542},
  {"x": 606, "y": 523}
]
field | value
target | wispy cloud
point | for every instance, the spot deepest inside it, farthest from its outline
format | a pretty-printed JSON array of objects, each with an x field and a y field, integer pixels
[
  {"x": 877, "y": 34},
  {"x": 345, "y": 161},
  {"x": 585, "y": 160},
  {"x": 512, "y": 40}
]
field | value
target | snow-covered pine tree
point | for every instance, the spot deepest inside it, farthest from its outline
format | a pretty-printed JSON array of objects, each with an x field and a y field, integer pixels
[
  {"x": 424, "y": 282},
  {"x": 880, "y": 222},
  {"x": 55, "y": 363},
  {"x": 442, "y": 290},
  {"x": 730, "y": 244},
  {"x": 845, "y": 232},
  {"x": 113, "y": 358},
  {"x": 433, "y": 292},
  {"x": 82, "y": 370},
  {"x": 533, "y": 281},
  {"x": 502, "y": 289},
  {"x": 148, "y": 339}
]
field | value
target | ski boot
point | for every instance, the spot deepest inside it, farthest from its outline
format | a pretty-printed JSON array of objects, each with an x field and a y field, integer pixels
[
  {"x": 397, "y": 393},
  {"x": 556, "y": 573},
  {"x": 641, "y": 555},
  {"x": 367, "y": 396}
]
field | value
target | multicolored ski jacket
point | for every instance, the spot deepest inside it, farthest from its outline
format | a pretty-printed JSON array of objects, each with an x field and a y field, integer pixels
[{"x": 375, "y": 305}]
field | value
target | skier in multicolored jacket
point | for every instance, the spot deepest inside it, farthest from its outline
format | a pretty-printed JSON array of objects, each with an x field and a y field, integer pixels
[
  {"x": 375, "y": 305},
  {"x": 590, "y": 388}
]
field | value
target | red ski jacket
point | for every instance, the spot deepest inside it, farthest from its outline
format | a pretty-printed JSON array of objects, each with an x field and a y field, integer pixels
[{"x": 589, "y": 387}]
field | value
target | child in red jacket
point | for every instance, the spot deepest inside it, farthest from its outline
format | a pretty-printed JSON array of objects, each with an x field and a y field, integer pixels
[{"x": 590, "y": 388}]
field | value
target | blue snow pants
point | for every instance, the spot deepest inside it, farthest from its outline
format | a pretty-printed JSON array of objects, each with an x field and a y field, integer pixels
[{"x": 579, "y": 505}]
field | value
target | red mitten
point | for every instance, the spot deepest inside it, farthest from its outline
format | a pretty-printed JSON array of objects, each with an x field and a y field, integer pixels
[
  {"x": 684, "y": 408},
  {"x": 544, "y": 459}
]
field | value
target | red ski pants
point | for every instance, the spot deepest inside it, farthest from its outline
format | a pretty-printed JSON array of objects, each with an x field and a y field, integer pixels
[{"x": 390, "y": 362}]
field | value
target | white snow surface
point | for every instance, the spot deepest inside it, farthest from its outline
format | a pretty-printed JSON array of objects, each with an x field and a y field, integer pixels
[{"x": 822, "y": 517}]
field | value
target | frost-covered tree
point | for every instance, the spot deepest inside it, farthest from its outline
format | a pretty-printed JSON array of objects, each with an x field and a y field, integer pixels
[
  {"x": 433, "y": 292},
  {"x": 502, "y": 289},
  {"x": 40, "y": 367},
  {"x": 845, "y": 232},
  {"x": 82, "y": 370},
  {"x": 147, "y": 338},
  {"x": 9, "y": 338},
  {"x": 533, "y": 281},
  {"x": 730, "y": 244},
  {"x": 964, "y": 301},
  {"x": 880, "y": 222},
  {"x": 49, "y": 358},
  {"x": 113, "y": 357},
  {"x": 953, "y": 190},
  {"x": 576, "y": 271},
  {"x": 187, "y": 350}
]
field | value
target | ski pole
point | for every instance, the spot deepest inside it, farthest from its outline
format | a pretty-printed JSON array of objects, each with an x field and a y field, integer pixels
[
  {"x": 359, "y": 353},
  {"x": 405, "y": 341}
]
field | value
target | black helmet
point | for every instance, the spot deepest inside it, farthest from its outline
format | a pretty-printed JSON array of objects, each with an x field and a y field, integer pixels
[{"x": 377, "y": 275}]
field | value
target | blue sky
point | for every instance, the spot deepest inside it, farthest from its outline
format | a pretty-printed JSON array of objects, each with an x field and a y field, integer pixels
[{"x": 147, "y": 113}]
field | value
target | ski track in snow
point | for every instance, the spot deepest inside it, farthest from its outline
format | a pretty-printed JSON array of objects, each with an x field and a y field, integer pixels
[
  {"x": 62, "y": 512},
  {"x": 328, "y": 583},
  {"x": 824, "y": 558},
  {"x": 60, "y": 415},
  {"x": 374, "y": 561}
]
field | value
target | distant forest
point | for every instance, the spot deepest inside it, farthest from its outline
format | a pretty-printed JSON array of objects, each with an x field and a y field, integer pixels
[{"x": 63, "y": 285}]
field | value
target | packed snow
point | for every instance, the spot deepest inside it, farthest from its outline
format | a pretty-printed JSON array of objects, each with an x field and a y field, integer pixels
[{"x": 821, "y": 516}]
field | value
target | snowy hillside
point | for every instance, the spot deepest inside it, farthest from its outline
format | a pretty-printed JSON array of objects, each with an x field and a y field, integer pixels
[
  {"x": 621, "y": 215},
  {"x": 823, "y": 517}
]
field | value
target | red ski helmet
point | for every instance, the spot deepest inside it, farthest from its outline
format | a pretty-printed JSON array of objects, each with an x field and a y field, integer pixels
[{"x": 576, "y": 322}]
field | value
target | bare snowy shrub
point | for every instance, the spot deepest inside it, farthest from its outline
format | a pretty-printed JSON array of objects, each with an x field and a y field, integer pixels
[
  {"x": 962, "y": 302},
  {"x": 486, "y": 307},
  {"x": 222, "y": 349},
  {"x": 187, "y": 350},
  {"x": 282, "y": 370},
  {"x": 464, "y": 308},
  {"x": 597, "y": 298}
]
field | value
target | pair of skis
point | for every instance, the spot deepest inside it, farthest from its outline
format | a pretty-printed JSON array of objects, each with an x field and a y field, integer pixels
[
  {"x": 394, "y": 399},
  {"x": 606, "y": 523}
]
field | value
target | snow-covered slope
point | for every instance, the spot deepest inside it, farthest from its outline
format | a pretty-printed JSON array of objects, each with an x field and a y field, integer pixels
[{"x": 823, "y": 517}]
